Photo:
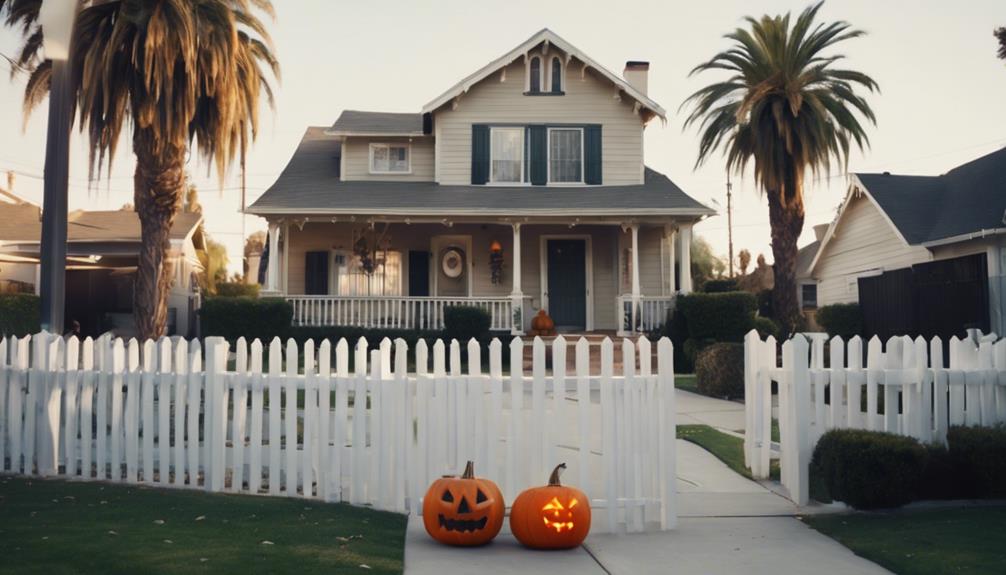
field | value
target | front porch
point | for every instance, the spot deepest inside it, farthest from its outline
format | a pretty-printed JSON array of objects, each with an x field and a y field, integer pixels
[{"x": 612, "y": 275}]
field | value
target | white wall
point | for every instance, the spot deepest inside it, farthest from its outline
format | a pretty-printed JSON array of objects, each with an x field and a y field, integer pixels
[{"x": 356, "y": 159}]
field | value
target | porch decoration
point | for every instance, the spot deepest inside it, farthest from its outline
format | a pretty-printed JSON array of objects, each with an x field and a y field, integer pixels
[
  {"x": 496, "y": 262},
  {"x": 542, "y": 324},
  {"x": 453, "y": 263},
  {"x": 551, "y": 517},
  {"x": 463, "y": 511},
  {"x": 363, "y": 253}
]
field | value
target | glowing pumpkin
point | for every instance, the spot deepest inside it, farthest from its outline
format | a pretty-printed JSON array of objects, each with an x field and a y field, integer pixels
[
  {"x": 551, "y": 517},
  {"x": 464, "y": 510}
]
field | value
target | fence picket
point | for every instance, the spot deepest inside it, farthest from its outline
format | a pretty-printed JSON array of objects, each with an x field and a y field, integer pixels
[
  {"x": 539, "y": 439},
  {"x": 86, "y": 407},
  {"x": 583, "y": 404},
  {"x": 193, "y": 445},
  {"x": 358, "y": 467},
  {"x": 163, "y": 381},
  {"x": 289, "y": 471},
  {"x": 309, "y": 420},
  {"x": 341, "y": 417},
  {"x": 275, "y": 414},
  {"x": 256, "y": 384},
  {"x": 240, "y": 407},
  {"x": 71, "y": 409},
  {"x": 324, "y": 433},
  {"x": 608, "y": 432},
  {"x": 181, "y": 394},
  {"x": 515, "y": 460}
]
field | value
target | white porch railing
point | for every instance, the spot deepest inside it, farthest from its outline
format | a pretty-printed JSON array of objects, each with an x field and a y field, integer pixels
[
  {"x": 393, "y": 312},
  {"x": 650, "y": 315}
]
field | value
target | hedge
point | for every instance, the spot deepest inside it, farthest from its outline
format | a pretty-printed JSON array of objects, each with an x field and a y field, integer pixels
[
  {"x": 766, "y": 327},
  {"x": 236, "y": 317},
  {"x": 724, "y": 316},
  {"x": 237, "y": 289},
  {"x": 466, "y": 322},
  {"x": 842, "y": 319},
  {"x": 868, "y": 469},
  {"x": 719, "y": 286},
  {"x": 977, "y": 456},
  {"x": 19, "y": 314},
  {"x": 719, "y": 370}
]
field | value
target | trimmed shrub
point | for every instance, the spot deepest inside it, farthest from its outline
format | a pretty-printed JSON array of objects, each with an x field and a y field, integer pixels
[
  {"x": 719, "y": 370},
  {"x": 719, "y": 286},
  {"x": 867, "y": 469},
  {"x": 237, "y": 289},
  {"x": 977, "y": 456},
  {"x": 724, "y": 316},
  {"x": 465, "y": 322},
  {"x": 19, "y": 314},
  {"x": 842, "y": 319},
  {"x": 766, "y": 327},
  {"x": 235, "y": 317}
]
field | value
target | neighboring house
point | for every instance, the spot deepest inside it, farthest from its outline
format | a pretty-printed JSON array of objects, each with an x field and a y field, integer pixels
[
  {"x": 921, "y": 254},
  {"x": 102, "y": 248},
  {"x": 520, "y": 188}
]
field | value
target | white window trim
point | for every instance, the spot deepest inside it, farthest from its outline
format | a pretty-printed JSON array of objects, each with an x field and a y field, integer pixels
[
  {"x": 548, "y": 158},
  {"x": 523, "y": 144},
  {"x": 562, "y": 75},
  {"x": 370, "y": 158}
]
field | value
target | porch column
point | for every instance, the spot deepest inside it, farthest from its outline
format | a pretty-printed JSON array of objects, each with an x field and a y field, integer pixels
[
  {"x": 272, "y": 272},
  {"x": 686, "y": 258},
  {"x": 634, "y": 229},
  {"x": 516, "y": 294},
  {"x": 671, "y": 233}
]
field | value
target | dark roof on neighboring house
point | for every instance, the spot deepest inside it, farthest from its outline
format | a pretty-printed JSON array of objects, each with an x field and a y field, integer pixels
[
  {"x": 310, "y": 185},
  {"x": 966, "y": 200},
  {"x": 377, "y": 123},
  {"x": 805, "y": 257},
  {"x": 22, "y": 224}
]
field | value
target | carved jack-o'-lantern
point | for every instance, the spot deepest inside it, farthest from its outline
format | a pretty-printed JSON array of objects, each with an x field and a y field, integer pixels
[
  {"x": 551, "y": 517},
  {"x": 464, "y": 510}
]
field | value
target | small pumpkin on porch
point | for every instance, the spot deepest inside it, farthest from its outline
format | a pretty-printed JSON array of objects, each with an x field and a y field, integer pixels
[
  {"x": 542, "y": 324},
  {"x": 463, "y": 511},
  {"x": 551, "y": 517}
]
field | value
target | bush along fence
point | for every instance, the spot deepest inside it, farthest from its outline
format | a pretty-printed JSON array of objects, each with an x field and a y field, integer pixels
[
  {"x": 285, "y": 421},
  {"x": 905, "y": 387}
]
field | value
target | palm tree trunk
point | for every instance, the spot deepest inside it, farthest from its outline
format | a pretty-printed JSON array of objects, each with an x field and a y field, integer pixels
[
  {"x": 159, "y": 184},
  {"x": 786, "y": 220}
]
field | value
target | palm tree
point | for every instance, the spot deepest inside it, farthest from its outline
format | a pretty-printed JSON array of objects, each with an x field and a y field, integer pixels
[
  {"x": 181, "y": 74},
  {"x": 1000, "y": 34},
  {"x": 785, "y": 108}
]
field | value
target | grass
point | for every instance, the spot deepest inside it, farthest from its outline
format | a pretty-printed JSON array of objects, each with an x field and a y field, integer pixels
[
  {"x": 924, "y": 541},
  {"x": 55, "y": 527},
  {"x": 687, "y": 382},
  {"x": 725, "y": 447}
]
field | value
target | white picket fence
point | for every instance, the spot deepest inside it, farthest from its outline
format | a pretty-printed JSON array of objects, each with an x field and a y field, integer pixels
[
  {"x": 905, "y": 387},
  {"x": 378, "y": 435}
]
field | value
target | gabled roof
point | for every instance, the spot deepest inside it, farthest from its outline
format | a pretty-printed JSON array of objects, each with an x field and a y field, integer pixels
[
  {"x": 359, "y": 123},
  {"x": 310, "y": 185},
  {"x": 966, "y": 202},
  {"x": 545, "y": 35}
]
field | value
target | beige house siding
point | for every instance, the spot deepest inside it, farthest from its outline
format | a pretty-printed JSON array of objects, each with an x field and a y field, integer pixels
[
  {"x": 318, "y": 236},
  {"x": 652, "y": 269},
  {"x": 356, "y": 159},
  {"x": 864, "y": 242},
  {"x": 589, "y": 100}
]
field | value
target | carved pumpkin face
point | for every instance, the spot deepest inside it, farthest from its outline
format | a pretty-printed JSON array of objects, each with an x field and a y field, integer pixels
[
  {"x": 551, "y": 517},
  {"x": 464, "y": 510}
]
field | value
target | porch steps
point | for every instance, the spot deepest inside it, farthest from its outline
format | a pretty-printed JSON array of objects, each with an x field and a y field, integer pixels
[{"x": 594, "y": 340}]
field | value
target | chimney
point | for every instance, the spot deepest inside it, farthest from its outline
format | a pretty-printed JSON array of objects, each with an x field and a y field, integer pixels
[
  {"x": 635, "y": 74},
  {"x": 820, "y": 230}
]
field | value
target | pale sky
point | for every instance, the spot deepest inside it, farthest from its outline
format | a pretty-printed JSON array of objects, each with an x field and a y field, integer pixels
[{"x": 942, "y": 99}]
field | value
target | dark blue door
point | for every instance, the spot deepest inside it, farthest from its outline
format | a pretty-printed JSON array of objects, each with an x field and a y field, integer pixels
[{"x": 567, "y": 283}]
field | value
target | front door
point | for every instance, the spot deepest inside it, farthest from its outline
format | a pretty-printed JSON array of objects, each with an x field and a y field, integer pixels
[
  {"x": 567, "y": 283},
  {"x": 419, "y": 273}
]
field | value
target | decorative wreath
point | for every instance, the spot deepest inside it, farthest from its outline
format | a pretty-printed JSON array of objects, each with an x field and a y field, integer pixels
[{"x": 453, "y": 263}]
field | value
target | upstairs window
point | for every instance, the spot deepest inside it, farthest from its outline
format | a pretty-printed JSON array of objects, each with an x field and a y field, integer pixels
[
  {"x": 534, "y": 75},
  {"x": 808, "y": 296},
  {"x": 565, "y": 155},
  {"x": 506, "y": 154},
  {"x": 390, "y": 159},
  {"x": 556, "y": 75}
]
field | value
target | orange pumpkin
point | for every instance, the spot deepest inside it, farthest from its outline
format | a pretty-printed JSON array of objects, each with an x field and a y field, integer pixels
[
  {"x": 464, "y": 510},
  {"x": 551, "y": 517},
  {"x": 542, "y": 323}
]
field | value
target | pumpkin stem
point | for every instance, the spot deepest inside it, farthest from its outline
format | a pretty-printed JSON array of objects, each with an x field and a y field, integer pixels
[
  {"x": 469, "y": 471},
  {"x": 553, "y": 480}
]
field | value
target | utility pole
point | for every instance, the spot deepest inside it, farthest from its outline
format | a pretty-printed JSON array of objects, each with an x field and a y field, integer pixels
[{"x": 730, "y": 224}]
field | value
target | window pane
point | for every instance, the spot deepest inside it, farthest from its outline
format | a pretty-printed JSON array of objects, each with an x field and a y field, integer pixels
[
  {"x": 556, "y": 75},
  {"x": 399, "y": 159},
  {"x": 386, "y": 279},
  {"x": 380, "y": 159},
  {"x": 506, "y": 150},
  {"x": 535, "y": 84},
  {"x": 564, "y": 156}
]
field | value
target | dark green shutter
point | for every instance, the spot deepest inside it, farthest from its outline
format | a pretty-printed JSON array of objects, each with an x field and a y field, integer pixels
[
  {"x": 480, "y": 154},
  {"x": 316, "y": 273},
  {"x": 592, "y": 154},
  {"x": 538, "y": 148}
]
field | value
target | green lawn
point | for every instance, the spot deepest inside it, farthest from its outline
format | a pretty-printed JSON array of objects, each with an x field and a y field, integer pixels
[
  {"x": 686, "y": 381},
  {"x": 726, "y": 448},
  {"x": 54, "y": 527},
  {"x": 924, "y": 542}
]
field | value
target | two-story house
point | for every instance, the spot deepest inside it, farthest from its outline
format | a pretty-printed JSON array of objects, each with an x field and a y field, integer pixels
[{"x": 520, "y": 188}]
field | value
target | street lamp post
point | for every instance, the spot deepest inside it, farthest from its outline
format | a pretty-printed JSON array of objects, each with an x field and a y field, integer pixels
[{"x": 56, "y": 18}]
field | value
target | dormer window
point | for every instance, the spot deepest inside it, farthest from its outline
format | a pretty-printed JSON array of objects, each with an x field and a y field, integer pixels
[
  {"x": 390, "y": 159},
  {"x": 534, "y": 75},
  {"x": 556, "y": 75}
]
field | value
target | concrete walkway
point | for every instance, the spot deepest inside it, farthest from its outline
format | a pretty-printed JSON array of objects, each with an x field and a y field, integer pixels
[{"x": 727, "y": 524}]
